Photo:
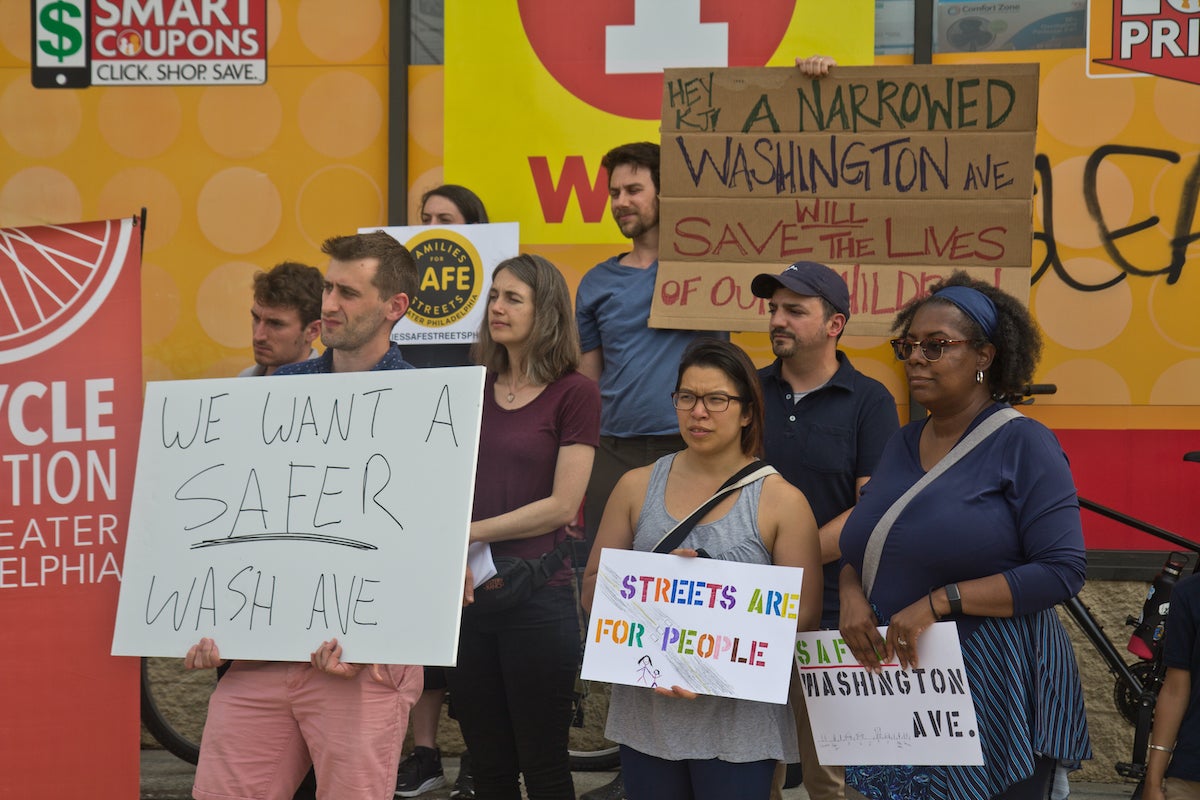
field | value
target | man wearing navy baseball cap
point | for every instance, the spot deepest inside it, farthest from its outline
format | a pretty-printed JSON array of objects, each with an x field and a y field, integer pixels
[{"x": 826, "y": 424}]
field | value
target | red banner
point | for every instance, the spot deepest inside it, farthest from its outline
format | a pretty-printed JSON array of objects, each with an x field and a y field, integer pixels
[{"x": 70, "y": 407}]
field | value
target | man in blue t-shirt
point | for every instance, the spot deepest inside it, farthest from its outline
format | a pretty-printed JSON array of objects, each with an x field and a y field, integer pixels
[
  {"x": 634, "y": 363},
  {"x": 826, "y": 424}
]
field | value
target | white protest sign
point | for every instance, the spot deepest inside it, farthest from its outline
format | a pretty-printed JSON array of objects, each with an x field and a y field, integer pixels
[
  {"x": 276, "y": 513},
  {"x": 455, "y": 263},
  {"x": 918, "y": 716},
  {"x": 714, "y": 627}
]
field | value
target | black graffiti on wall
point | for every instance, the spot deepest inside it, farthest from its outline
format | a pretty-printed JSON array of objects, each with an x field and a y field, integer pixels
[{"x": 1169, "y": 261}]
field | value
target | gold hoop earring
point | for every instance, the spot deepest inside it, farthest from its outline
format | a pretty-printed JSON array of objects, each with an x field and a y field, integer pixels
[{"x": 979, "y": 376}]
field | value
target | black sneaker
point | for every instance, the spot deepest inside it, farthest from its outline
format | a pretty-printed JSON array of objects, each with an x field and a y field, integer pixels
[
  {"x": 613, "y": 790},
  {"x": 464, "y": 784},
  {"x": 421, "y": 772}
]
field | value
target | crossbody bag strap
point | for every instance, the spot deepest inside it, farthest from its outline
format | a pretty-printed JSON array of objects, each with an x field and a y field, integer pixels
[
  {"x": 754, "y": 471},
  {"x": 883, "y": 527},
  {"x": 551, "y": 562}
]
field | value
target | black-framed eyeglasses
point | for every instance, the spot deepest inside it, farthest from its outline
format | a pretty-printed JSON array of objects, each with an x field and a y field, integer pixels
[
  {"x": 716, "y": 403},
  {"x": 930, "y": 348}
]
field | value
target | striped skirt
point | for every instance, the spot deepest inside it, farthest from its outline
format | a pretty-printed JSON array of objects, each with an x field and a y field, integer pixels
[{"x": 1029, "y": 702}]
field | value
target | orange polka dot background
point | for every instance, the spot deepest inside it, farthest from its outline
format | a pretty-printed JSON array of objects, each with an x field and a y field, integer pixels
[
  {"x": 239, "y": 178},
  {"x": 1113, "y": 337},
  {"x": 234, "y": 178}
]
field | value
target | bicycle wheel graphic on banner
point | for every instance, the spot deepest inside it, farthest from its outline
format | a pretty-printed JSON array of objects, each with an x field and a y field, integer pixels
[{"x": 52, "y": 280}]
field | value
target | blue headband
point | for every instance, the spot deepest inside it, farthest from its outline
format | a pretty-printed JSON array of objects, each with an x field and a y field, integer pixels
[{"x": 975, "y": 304}]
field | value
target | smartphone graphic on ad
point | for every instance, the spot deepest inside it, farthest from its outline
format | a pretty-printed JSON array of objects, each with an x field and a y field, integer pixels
[{"x": 61, "y": 44}]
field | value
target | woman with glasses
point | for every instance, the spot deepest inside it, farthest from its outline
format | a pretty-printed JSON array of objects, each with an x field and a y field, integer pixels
[
  {"x": 992, "y": 543},
  {"x": 514, "y": 683},
  {"x": 710, "y": 747}
]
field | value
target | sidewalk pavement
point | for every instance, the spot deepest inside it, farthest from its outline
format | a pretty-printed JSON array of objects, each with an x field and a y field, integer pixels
[{"x": 165, "y": 777}]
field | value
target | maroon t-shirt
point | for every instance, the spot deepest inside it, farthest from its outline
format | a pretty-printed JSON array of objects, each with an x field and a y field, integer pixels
[{"x": 518, "y": 453}]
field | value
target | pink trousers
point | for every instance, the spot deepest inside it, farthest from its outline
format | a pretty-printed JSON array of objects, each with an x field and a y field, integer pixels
[{"x": 268, "y": 721}]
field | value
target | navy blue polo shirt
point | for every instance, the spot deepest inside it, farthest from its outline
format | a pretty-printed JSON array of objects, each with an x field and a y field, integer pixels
[
  {"x": 323, "y": 364},
  {"x": 824, "y": 443}
]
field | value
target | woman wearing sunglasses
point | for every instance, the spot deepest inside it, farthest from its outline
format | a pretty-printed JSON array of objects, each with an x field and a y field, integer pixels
[
  {"x": 674, "y": 744},
  {"x": 993, "y": 542}
]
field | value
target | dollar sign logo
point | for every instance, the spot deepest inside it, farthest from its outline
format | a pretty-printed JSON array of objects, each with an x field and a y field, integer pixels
[{"x": 68, "y": 38}]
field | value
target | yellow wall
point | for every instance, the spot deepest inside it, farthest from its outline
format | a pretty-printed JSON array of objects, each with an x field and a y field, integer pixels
[
  {"x": 239, "y": 178},
  {"x": 234, "y": 178}
]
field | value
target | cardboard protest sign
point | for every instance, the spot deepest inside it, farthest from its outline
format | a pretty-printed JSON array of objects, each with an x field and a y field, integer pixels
[
  {"x": 455, "y": 263},
  {"x": 714, "y": 627},
  {"x": 919, "y": 169},
  {"x": 877, "y": 291},
  {"x": 780, "y": 231},
  {"x": 923, "y": 715},
  {"x": 274, "y": 514}
]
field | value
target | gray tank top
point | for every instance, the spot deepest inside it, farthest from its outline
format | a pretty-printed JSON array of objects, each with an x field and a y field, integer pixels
[{"x": 707, "y": 727}]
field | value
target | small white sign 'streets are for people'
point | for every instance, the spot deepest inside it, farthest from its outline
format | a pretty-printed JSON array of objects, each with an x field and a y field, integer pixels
[
  {"x": 274, "y": 514},
  {"x": 710, "y": 626},
  {"x": 922, "y": 715}
]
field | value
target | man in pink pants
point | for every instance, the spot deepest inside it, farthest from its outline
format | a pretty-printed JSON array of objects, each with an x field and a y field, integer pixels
[{"x": 268, "y": 721}]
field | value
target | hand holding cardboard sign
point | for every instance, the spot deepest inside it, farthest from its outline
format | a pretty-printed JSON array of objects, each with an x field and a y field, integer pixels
[{"x": 815, "y": 66}]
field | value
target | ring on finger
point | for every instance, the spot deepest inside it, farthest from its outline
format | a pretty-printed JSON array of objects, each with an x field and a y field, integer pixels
[{"x": 900, "y": 640}]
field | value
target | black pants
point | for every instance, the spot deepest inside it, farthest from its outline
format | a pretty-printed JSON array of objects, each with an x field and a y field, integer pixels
[
  {"x": 1037, "y": 786},
  {"x": 512, "y": 689}
]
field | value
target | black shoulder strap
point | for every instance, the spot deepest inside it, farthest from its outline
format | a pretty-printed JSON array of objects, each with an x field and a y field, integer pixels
[{"x": 747, "y": 474}]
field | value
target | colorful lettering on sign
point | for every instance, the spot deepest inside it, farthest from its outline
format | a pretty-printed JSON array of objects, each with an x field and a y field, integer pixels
[
  {"x": 779, "y": 604},
  {"x": 678, "y": 591},
  {"x": 688, "y": 641}
]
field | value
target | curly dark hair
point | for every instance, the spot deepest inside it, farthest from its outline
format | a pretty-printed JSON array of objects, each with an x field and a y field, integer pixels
[
  {"x": 635, "y": 154},
  {"x": 291, "y": 285},
  {"x": 1017, "y": 340}
]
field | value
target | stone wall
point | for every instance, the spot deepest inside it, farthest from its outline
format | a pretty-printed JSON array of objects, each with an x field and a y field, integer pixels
[{"x": 1112, "y": 737}]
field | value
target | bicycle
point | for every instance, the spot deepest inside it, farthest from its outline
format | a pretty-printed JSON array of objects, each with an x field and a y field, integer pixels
[
  {"x": 174, "y": 704},
  {"x": 1136, "y": 685}
]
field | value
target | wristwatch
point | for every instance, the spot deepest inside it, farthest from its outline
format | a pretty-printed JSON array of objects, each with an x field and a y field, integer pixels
[{"x": 954, "y": 598}]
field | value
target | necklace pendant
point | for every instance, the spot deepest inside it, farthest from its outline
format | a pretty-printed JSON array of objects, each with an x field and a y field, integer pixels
[{"x": 511, "y": 397}]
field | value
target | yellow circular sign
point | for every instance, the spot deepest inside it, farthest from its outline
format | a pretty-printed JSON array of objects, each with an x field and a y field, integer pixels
[{"x": 451, "y": 277}]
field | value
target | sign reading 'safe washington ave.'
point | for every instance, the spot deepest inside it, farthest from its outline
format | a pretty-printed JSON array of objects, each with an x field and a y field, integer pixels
[
  {"x": 275, "y": 514},
  {"x": 892, "y": 175},
  {"x": 79, "y": 43}
]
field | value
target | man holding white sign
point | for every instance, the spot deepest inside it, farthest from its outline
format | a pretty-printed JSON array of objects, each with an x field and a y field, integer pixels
[
  {"x": 268, "y": 721},
  {"x": 712, "y": 746}
]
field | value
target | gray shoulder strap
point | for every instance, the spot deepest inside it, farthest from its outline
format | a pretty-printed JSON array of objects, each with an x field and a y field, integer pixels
[
  {"x": 879, "y": 535},
  {"x": 672, "y": 538}
]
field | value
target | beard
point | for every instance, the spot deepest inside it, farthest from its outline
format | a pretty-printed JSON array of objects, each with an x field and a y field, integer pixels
[{"x": 784, "y": 345}]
